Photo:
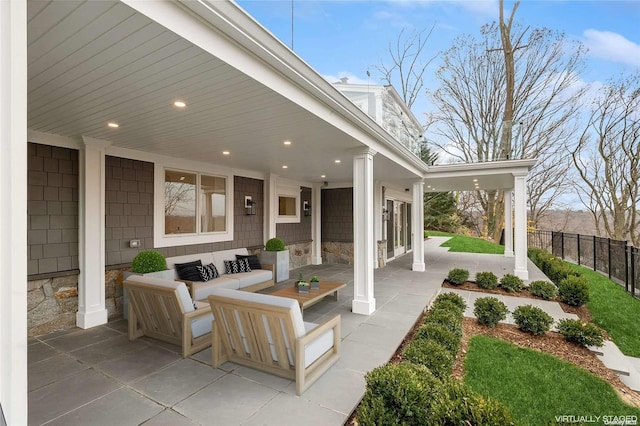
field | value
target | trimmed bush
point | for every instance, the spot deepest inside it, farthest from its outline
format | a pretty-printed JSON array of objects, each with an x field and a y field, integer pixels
[
  {"x": 440, "y": 334},
  {"x": 447, "y": 305},
  {"x": 511, "y": 283},
  {"x": 431, "y": 354},
  {"x": 543, "y": 289},
  {"x": 398, "y": 394},
  {"x": 486, "y": 280},
  {"x": 459, "y": 405},
  {"x": 574, "y": 290},
  {"x": 489, "y": 311},
  {"x": 550, "y": 265},
  {"x": 458, "y": 276},
  {"x": 274, "y": 244},
  {"x": 580, "y": 333},
  {"x": 148, "y": 261},
  {"x": 450, "y": 297},
  {"x": 450, "y": 320},
  {"x": 532, "y": 319}
]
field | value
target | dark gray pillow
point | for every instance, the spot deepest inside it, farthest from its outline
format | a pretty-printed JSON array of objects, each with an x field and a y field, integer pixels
[
  {"x": 189, "y": 271},
  {"x": 254, "y": 263}
]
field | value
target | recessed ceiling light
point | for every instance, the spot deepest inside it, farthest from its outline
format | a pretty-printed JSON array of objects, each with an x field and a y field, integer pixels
[
  {"x": 181, "y": 177},
  {"x": 225, "y": 153},
  {"x": 475, "y": 180},
  {"x": 285, "y": 167},
  {"x": 287, "y": 142},
  {"x": 179, "y": 104},
  {"x": 337, "y": 161},
  {"x": 323, "y": 176},
  {"x": 113, "y": 125}
]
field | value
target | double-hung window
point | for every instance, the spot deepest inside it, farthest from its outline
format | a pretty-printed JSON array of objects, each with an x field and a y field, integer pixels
[{"x": 195, "y": 208}]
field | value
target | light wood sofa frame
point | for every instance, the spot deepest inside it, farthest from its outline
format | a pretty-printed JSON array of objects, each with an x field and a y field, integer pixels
[
  {"x": 157, "y": 312},
  {"x": 245, "y": 322}
]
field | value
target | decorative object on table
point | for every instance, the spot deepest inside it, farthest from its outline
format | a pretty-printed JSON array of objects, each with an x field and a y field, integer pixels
[
  {"x": 302, "y": 285},
  {"x": 315, "y": 283},
  {"x": 276, "y": 254}
]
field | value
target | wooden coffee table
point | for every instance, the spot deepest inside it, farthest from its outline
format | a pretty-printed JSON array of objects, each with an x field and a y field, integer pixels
[{"x": 305, "y": 300}]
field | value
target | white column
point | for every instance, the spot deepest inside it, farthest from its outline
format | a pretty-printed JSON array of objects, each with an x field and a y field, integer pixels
[
  {"x": 520, "y": 225},
  {"x": 417, "y": 225},
  {"x": 13, "y": 214},
  {"x": 363, "y": 238},
  {"x": 316, "y": 221},
  {"x": 270, "y": 207},
  {"x": 91, "y": 306},
  {"x": 508, "y": 223}
]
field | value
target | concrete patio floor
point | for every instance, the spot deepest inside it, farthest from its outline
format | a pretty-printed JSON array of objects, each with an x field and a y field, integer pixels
[{"x": 98, "y": 377}]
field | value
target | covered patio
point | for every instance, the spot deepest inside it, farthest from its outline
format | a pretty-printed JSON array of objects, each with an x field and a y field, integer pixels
[{"x": 97, "y": 376}]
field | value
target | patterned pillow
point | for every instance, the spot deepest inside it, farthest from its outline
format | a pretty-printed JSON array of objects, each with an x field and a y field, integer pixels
[
  {"x": 237, "y": 266},
  {"x": 208, "y": 272}
]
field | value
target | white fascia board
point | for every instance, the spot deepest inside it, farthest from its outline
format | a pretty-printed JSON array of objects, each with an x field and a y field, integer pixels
[
  {"x": 480, "y": 169},
  {"x": 54, "y": 140},
  {"x": 227, "y": 32}
]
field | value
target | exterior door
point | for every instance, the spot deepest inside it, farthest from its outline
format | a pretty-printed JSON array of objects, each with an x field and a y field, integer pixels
[
  {"x": 400, "y": 228},
  {"x": 390, "y": 229}
]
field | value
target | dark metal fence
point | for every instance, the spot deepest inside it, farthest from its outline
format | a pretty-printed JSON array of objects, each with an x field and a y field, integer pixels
[{"x": 616, "y": 259}]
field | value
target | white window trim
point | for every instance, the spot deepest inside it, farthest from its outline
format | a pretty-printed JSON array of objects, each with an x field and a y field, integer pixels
[
  {"x": 159, "y": 237},
  {"x": 292, "y": 192}
]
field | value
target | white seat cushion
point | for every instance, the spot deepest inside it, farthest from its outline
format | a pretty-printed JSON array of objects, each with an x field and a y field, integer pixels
[
  {"x": 250, "y": 278},
  {"x": 202, "y": 290},
  {"x": 319, "y": 346},
  {"x": 201, "y": 326}
]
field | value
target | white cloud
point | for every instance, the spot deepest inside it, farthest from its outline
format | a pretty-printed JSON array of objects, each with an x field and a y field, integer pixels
[
  {"x": 612, "y": 47},
  {"x": 353, "y": 79}
]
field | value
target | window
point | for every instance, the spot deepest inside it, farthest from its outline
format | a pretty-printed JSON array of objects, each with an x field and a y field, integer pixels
[
  {"x": 191, "y": 195},
  {"x": 286, "y": 206}
]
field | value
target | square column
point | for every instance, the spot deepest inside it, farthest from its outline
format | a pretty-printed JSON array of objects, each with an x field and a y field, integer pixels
[
  {"x": 508, "y": 223},
  {"x": 520, "y": 225},
  {"x": 363, "y": 236},
  {"x": 316, "y": 221},
  {"x": 270, "y": 206},
  {"x": 13, "y": 216},
  {"x": 417, "y": 226},
  {"x": 91, "y": 306}
]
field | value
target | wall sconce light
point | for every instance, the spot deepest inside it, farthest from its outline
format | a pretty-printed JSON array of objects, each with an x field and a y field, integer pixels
[
  {"x": 385, "y": 214},
  {"x": 306, "y": 208},
  {"x": 249, "y": 205}
]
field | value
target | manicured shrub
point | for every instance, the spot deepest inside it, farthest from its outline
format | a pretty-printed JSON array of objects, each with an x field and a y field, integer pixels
[
  {"x": 511, "y": 283},
  {"x": 543, "y": 289},
  {"x": 448, "y": 305},
  {"x": 440, "y": 334},
  {"x": 431, "y": 354},
  {"x": 489, "y": 311},
  {"x": 458, "y": 276},
  {"x": 581, "y": 333},
  {"x": 459, "y": 405},
  {"x": 450, "y": 297},
  {"x": 398, "y": 394},
  {"x": 274, "y": 244},
  {"x": 487, "y": 280},
  {"x": 533, "y": 253},
  {"x": 574, "y": 291},
  {"x": 450, "y": 320},
  {"x": 148, "y": 261},
  {"x": 532, "y": 319}
]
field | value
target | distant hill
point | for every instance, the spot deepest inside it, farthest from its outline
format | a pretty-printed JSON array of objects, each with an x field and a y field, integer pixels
[{"x": 575, "y": 222}]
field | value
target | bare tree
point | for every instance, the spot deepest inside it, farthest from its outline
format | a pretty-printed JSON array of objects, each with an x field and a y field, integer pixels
[
  {"x": 607, "y": 159},
  {"x": 474, "y": 122},
  {"x": 408, "y": 64}
]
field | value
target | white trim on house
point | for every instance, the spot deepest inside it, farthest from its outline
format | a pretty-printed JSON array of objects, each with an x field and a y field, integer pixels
[{"x": 13, "y": 218}]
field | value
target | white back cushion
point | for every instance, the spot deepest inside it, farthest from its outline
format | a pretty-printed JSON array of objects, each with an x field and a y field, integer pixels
[
  {"x": 183, "y": 294},
  {"x": 205, "y": 258},
  {"x": 220, "y": 256}
]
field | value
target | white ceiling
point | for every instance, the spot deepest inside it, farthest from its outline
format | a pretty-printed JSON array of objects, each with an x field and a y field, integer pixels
[{"x": 90, "y": 63}]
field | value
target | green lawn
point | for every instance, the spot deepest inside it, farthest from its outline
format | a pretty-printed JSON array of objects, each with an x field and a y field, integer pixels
[
  {"x": 536, "y": 386},
  {"x": 614, "y": 310},
  {"x": 464, "y": 244}
]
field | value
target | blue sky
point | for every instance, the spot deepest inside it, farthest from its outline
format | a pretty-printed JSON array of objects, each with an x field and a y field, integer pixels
[{"x": 346, "y": 38}]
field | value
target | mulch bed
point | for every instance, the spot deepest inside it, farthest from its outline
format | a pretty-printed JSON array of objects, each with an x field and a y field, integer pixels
[{"x": 552, "y": 343}]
